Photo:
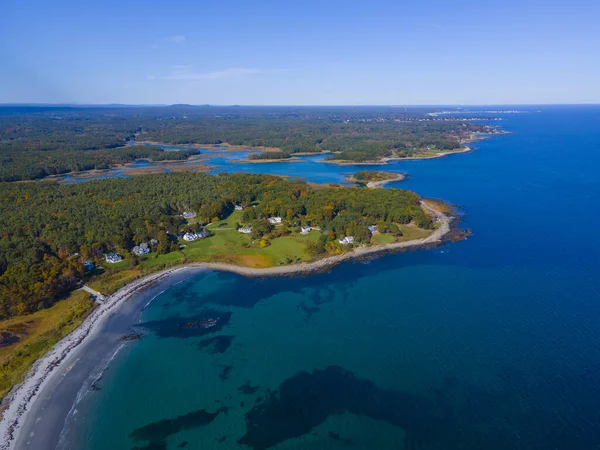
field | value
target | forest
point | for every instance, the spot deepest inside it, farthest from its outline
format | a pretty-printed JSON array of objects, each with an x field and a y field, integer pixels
[
  {"x": 36, "y": 142},
  {"x": 48, "y": 230}
]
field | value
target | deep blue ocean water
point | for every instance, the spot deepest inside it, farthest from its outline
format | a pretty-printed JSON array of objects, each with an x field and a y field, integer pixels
[{"x": 489, "y": 343}]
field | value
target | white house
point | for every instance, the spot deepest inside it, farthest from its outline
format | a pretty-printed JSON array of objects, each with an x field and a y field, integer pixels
[
  {"x": 347, "y": 240},
  {"x": 189, "y": 236},
  {"x": 188, "y": 215},
  {"x": 372, "y": 229},
  {"x": 113, "y": 258},
  {"x": 274, "y": 220},
  {"x": 305, "y": 230},
  {"x": 245, "y": 230},
  {"x": 239, "y": 208},
  {"x": 142, "y": 249}
]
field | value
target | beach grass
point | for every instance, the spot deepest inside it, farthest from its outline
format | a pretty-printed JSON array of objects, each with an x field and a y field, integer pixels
[
  {"x": 37, "y": 333},
  {"x": 154, "y": 260},
  {"x": 111, "y": 282},
  {"x": 440, "y": 205}
]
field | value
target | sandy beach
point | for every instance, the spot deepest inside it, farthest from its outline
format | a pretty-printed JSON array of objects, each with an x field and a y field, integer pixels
[{"x": 38, "y": 407}]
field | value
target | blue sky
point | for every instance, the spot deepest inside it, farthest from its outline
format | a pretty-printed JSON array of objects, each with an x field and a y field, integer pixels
[{"x": 266, "y": 52}]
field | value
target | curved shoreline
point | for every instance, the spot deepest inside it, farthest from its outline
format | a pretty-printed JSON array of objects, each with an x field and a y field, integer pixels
[
  {"x": 22, "y": 399},
  {"x": 386, "y": 160}
]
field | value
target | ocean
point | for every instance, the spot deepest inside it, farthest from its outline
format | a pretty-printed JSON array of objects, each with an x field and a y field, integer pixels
[{"x": 488, "y": 343}]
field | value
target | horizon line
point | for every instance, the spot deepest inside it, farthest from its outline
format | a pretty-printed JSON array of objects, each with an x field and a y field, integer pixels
[{"x": 411, "y": 105}]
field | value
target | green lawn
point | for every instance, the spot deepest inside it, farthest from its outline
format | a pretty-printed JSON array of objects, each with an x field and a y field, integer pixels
[
  {"x": 410, "y": 232},
  {"x": 154, "y": 259},
  {"x": 229, "y": 222},
  {"x": 229, "y": 245},
  {"x": 382, "y": 238}
]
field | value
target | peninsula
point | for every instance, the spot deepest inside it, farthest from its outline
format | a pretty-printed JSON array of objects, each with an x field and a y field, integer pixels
[{"x": 103, "y": 234}]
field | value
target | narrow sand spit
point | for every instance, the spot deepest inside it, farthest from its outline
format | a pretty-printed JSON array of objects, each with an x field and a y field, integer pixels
[{"x": 23, "y": 397}]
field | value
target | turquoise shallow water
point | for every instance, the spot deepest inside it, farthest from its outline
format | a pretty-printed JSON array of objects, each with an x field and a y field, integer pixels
[{"x": 493, "y": 342}]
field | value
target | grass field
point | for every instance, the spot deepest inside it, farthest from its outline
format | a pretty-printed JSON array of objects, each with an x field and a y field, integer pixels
[
  {"x": 154, "y": 259},
  {"x": 410, "y": 232},
  {"x": 37, "y": 333},
  {"x": 380, "y": 239},
  {"x": 124, "y": 264},
  {"x": 229, "y": 245}
]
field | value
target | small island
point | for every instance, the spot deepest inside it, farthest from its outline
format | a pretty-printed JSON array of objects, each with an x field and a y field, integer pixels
[{"x": 374, "y": 178}]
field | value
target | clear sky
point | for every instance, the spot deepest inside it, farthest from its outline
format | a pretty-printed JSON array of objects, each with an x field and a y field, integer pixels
[{"x": 265, "y": 52}]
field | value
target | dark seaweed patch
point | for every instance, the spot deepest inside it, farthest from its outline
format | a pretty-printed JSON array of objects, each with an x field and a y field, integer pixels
[
  {"x": 307, "y": 399},
  {"x": 157, "y": 432},
  {"x": 337, "y": 437},
  {"x": 182, "y": 444},
  {"x": 187, "y": 327},
  {"x": 245, "y": 292},
  {"x": 217, "y": 344},
  {"x": 247, "y": 388},
  {"x": 512, "y": 413},
  {"x": 225, "y": 373},
  {"x": 308, "y": 311},
  {"x": 155, "y": 445}
]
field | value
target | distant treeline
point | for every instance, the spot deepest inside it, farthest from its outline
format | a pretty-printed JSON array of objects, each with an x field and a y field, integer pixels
[
  {"x": 44, "y": 226},
  {"x": 37, "y": 142},
  {"x": 373, "y": 175},
  {"x": 269, "y": 155}
]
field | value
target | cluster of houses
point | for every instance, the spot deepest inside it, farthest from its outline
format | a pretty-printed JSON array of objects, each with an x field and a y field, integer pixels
[
  {"x": 139, "y": 250},
  {"x": 144, "y": 248}
]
